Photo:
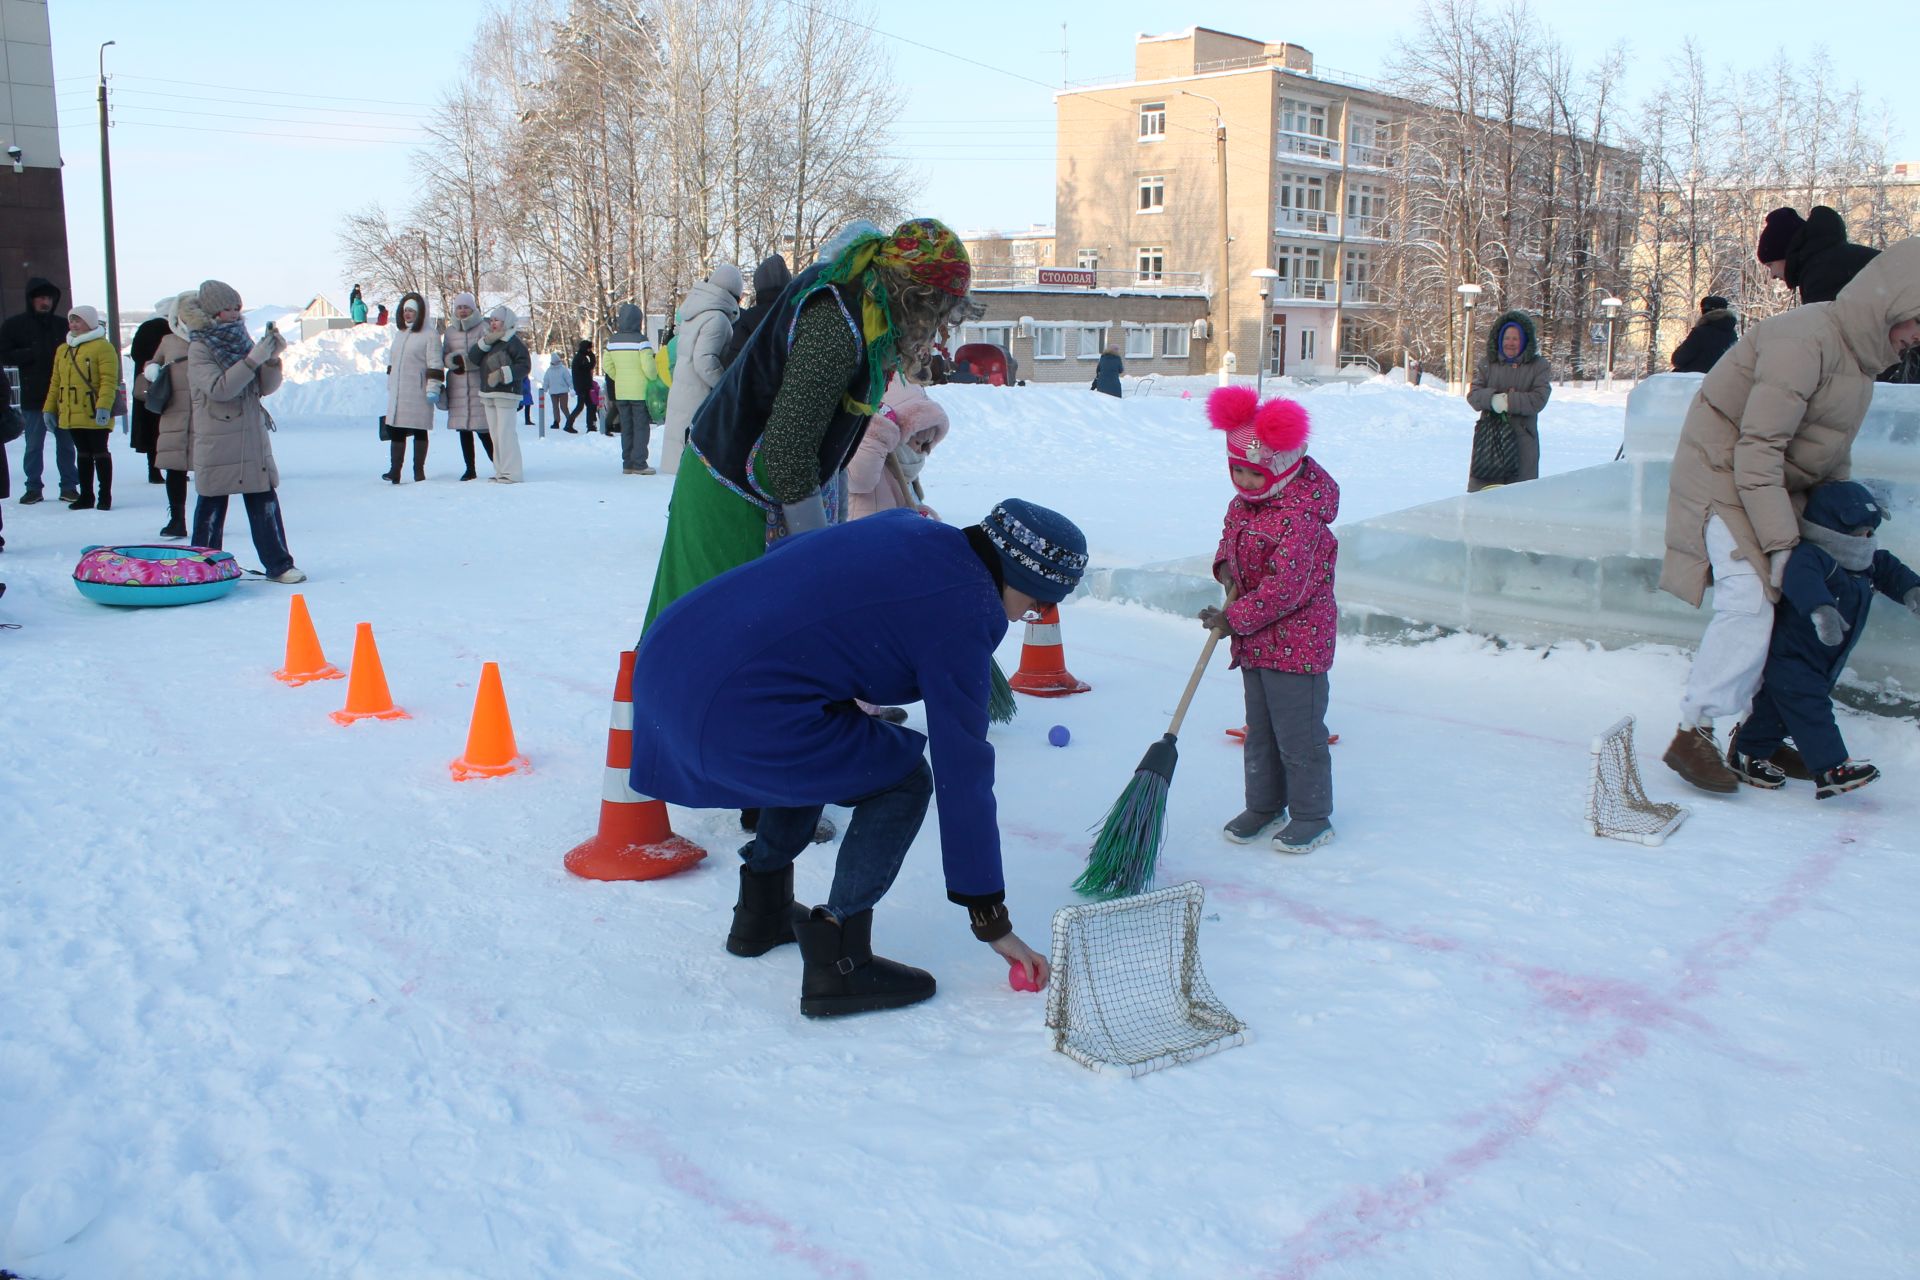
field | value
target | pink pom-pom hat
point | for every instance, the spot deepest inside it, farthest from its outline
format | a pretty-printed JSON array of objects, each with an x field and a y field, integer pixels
[{"x": 1269, "y": 438}]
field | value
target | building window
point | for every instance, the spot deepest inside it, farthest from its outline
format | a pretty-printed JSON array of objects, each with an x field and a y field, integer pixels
[
  {"x": 1153, "y": 195},
  {"x": 1299, "y": 266},
  {"x": 1369, "y": 139},
  {"x": 1303, "y": 203},
  {"x": 1139, "y": 342},
  {"x": 1093, "y": 340},
  {"x": 1367, "y": 210},
  {"x": 1357, "y": 277},
  {"x": 1049, "y": 343},
  {"x": 1303, "y": 129},
  {"x": 1152, "y": 264},
  {"x": 1175, "y": 341},
  {"x": 1089, "y": 260},
  {"x": 999, "y": 335},
  {"x": 1153, "y": 121},
  {"x": 1306, "y": 345}
]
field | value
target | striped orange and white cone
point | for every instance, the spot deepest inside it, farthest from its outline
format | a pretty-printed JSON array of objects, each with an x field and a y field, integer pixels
[
  {"x": 1043, "y": 660},
  {"x": 635, "y": 840}
]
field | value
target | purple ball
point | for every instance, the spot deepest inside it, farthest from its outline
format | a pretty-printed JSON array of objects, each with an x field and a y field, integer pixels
[{"x": 1059, "y": 736}]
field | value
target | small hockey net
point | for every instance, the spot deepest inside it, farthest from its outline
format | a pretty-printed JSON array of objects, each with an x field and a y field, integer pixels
[
  {"x": 1128, "y": 990},
  {"x": 1617, "y": 804}
]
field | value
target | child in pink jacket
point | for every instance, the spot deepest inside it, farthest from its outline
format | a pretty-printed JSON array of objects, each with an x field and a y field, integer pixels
[{"x": 1276, "y": 560}]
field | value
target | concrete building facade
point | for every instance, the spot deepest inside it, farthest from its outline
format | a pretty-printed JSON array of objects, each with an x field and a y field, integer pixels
[{"x": 33, "y": 214}]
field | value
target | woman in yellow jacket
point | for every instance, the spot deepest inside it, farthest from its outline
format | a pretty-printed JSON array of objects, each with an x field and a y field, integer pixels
[{"x": 86, "y": 372}]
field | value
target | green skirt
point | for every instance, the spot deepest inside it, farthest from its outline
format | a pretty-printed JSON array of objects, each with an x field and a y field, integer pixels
[{"x": 710, "y": 529}]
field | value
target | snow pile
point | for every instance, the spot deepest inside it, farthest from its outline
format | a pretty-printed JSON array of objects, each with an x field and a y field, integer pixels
[
  {"x": 279, "y": 998},
  {"x": 341, "y": 373}
]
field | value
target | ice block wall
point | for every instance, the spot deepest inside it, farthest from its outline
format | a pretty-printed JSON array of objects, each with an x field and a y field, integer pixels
[{"x": 1576, "y": 557}]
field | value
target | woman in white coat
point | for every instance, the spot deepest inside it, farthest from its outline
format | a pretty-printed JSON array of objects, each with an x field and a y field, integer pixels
[
  {"x": 461, "y": 399},
  {"x": 414, "y": 371}
]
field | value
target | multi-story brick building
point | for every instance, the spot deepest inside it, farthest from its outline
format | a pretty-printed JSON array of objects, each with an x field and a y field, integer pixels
[
  {"x": 33, "y": 219},
  {"x": 1315, "y": 198}
]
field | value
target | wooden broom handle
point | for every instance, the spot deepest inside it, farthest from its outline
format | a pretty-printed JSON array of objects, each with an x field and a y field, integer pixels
[{"x": 1193, "y": 683}]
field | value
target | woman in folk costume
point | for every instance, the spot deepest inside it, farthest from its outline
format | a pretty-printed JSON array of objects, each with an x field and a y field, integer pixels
[{"x": 766, "y": 452}]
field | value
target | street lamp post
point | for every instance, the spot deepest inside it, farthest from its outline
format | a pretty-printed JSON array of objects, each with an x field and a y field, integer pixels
[
  {"x": 1226, "y": 240},
  {"x": 106, "y": 207},
  {"x": 1469, "y": 294},
  {"x": 1267, "y": 277},
  {"x": 1611, "y": 305}
]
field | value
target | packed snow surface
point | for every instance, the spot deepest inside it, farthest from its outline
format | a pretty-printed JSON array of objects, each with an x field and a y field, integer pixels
[{"x": 280, "y": 998}]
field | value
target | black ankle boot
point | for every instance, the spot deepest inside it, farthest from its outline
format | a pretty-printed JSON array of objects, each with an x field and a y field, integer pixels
[
  {"x": 842, "y": 975},
  {"x": 765, "y": 913}
]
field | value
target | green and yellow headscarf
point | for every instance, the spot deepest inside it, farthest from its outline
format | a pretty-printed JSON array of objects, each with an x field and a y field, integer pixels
[{"x": 924, "y": 250}]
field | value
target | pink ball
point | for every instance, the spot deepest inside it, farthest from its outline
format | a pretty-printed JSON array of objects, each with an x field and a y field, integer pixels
[{"x": 1017, "y": 977}]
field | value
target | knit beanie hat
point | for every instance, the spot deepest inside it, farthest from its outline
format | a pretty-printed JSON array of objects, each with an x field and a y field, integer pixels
[
  {"x": 728, "y": 277},
  {"x": 1713, "y": 302},
  {"x": 90, "y": 315},
  {"x": 217, "y": 296},
  {"x": 465, "y": 300},
  {"x": 1269, "y": 438},
  {"x": 1042, "y": 553},
  {"x": 1783, "y": 224}
]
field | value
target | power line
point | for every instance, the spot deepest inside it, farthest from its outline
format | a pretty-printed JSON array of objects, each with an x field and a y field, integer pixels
[
  {"x": 228, "y": 115},
  {"x": 279, "y": 93},
  {"x": 251, "y": 133},
  {"x": 279, "y": 106}
]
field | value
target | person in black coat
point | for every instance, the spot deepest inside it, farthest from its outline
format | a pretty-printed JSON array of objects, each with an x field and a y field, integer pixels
[
  {"x": 1712, "y": 335},
  {"x": 28, "y": 342},
  {"x": 1825, "y": 596},
  {"x": 1811, "y": 254},
  {"x": 1106, "y": 375},
  {"x": 582, "y": 369},
  {"x": 145, "y": 423},
  {"x": 769, "y": 278}
]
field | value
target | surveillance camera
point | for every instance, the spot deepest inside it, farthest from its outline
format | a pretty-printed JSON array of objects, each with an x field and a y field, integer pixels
[{"x": 16, "y": 156}]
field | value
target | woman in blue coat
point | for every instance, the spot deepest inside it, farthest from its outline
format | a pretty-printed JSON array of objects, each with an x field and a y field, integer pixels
[{"x": 745, "y": 696}]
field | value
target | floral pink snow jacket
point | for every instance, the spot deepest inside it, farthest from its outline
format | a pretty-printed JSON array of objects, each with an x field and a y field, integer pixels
[{"x": 1278, "y": 556}]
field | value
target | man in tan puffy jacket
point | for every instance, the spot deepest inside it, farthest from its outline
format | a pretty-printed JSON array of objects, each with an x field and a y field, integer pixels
[{"x": 1775, "y": 417}]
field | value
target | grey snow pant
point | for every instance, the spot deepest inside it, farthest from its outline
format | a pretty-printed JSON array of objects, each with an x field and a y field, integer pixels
[
  {"x": 1288, "y": 764},
  {"x": 634, "y": 429}
]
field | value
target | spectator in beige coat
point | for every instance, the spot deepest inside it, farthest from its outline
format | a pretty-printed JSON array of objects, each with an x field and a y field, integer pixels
[
  {"x": 173, "y": 443},
  {"x": 1774, "y": 417},
  {"x": 228, "y": 373}
]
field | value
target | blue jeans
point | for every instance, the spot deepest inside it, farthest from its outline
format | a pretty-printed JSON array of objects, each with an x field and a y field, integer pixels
[
  {"x": 263, "y": 514},
  {"x": 32, "y": 459},
  {"x": 883, "y": 826}
]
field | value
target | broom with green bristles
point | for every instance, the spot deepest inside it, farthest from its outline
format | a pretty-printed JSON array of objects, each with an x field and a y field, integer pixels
[
  {"x": 1124, "y": 853},
  {"x": 1001, "y": 708}
]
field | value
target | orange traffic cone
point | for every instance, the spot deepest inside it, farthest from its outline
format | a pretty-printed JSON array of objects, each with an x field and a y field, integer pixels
[
  {"x": 1043, "y": 660},
  {"x": 305, "y": 661},
  {"x": 490, "y": 752},
  {"x": 635, "y": 840},
  {"x": 367, "y": 696}
]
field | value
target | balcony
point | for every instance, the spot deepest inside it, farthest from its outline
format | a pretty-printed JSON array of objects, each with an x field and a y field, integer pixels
[
  {"x": 1365, "y": 157},
  {"x": 1361, "y": 294},
  {"x": 1312, "y": 221},
  {"x": 1309, "y": 147},
  {"x": 1368, "y": 228},
  {"x": 1302, "y": 290}
]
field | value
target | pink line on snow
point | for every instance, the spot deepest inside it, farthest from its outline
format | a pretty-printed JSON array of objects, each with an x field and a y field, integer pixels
[{"x": 1366, "y": 1216}]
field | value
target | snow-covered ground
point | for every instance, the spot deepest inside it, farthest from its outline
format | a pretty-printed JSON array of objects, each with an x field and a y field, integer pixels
[{"x": 279, "y": 998}]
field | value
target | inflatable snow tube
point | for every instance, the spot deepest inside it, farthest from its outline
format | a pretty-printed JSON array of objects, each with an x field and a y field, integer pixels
[{"x": 150, "y": 576}]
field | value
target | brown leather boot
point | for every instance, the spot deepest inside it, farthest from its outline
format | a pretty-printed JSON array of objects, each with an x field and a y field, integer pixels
[{"x": 1695, "y": 756}]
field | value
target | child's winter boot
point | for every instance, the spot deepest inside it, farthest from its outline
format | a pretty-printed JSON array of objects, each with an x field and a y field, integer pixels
[
  {"x": 1764, "y": 774},
  {"x": 1303, "y": 835},
  {"x": 842, "y": 974},
  {"x": 765, "y": 913},
  {"x": 1251, "y": 825},
  {"x": 1787, "y": 760},
  {"x": 1848, "y": 776}
]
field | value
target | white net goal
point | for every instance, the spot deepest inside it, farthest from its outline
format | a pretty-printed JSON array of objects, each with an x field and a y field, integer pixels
[
  {"x": 1617, "y": 803},
  {"x": 1128, "y": 990}
]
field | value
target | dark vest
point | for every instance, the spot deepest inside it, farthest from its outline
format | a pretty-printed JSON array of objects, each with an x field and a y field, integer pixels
[{"x": 728, "y": 426}]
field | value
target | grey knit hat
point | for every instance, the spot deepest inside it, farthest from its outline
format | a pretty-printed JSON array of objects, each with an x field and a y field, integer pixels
[{"x": 217, "y": 296}]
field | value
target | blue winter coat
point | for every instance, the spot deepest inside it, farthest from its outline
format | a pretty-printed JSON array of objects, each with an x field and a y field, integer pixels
[
  {"x": 1796, "y": 660},
  {"x": 743, "y": 688}
]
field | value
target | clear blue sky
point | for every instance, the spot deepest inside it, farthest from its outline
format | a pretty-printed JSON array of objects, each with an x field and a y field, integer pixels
[{"x": 347, "y": 83}]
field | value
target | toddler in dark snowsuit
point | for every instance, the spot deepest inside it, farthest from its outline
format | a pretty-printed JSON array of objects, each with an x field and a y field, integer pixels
[{"x": 1829, "y": 586}]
